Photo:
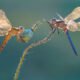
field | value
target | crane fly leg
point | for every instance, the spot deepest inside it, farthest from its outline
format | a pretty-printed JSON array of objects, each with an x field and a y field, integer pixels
[{"x": 4, "y": 42}]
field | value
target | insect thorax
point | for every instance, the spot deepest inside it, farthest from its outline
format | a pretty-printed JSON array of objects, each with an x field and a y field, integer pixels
[{"x": 58, "y": 24}]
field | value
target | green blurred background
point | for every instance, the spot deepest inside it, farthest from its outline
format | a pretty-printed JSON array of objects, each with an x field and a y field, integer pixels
[{"x": 54, "y": 60}]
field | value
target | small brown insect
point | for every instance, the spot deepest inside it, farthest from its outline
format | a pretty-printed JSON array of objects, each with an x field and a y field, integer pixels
[{"x": 7, "y": 30}]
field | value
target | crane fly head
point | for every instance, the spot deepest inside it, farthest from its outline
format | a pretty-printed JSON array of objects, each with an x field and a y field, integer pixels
[
  {"x": 21, "y": 28},
  {"x": 53, "y": 19}
]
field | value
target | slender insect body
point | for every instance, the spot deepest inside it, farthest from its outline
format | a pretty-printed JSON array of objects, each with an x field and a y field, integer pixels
[{"x": 58, "y": 24}]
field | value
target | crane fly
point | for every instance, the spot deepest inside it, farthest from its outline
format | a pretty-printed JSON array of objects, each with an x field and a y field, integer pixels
[
  {"x": 68, "y": 24},
  {"x": 7, "y": 30}
]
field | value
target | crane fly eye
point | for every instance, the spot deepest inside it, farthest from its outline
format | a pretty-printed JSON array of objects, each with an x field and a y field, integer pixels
[
  {"x": 53, "y": 19},
  {"x": 21, "y": 27}
]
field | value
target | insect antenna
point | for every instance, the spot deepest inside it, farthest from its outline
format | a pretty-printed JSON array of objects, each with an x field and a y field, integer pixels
[{"x": 35, "y": 26}]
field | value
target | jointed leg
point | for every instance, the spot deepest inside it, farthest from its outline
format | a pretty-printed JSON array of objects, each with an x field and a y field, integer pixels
[
  {"x": 5, "y": 41},
  {"x": 18, "y": 38}
]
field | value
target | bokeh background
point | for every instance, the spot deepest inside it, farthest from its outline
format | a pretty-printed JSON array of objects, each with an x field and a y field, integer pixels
[{"x": 54, "y": 60}]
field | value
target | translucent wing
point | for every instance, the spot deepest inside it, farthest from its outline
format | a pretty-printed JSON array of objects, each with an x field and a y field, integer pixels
[
  {"x": 78, "y": 25},
  {"x": 74, "y": 15},
  {"x": 5, "y": 25},
  {"x": 73, "y": 26}
]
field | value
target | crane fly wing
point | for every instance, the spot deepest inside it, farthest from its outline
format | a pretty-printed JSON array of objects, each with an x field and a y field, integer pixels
[
  {"x": 69, "y": 20},
  {"x": 5, "y": 25},
  {"x": 73, "y": 26},
  {"x": 78, "y": 25},
  {"x": 74, "y": 15}
]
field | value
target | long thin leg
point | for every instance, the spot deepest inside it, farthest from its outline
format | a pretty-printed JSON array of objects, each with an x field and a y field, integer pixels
[
  {"x": 75, "y": 14},
  {"x": 18, "y": 38},
  {"x": 5, "y": 41},
  {"x": 36, "y": 25},
  {"x": 71, "y": 43},
  {"x": 58, "y": 30},
  {"x": 26, "y": 50}
]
